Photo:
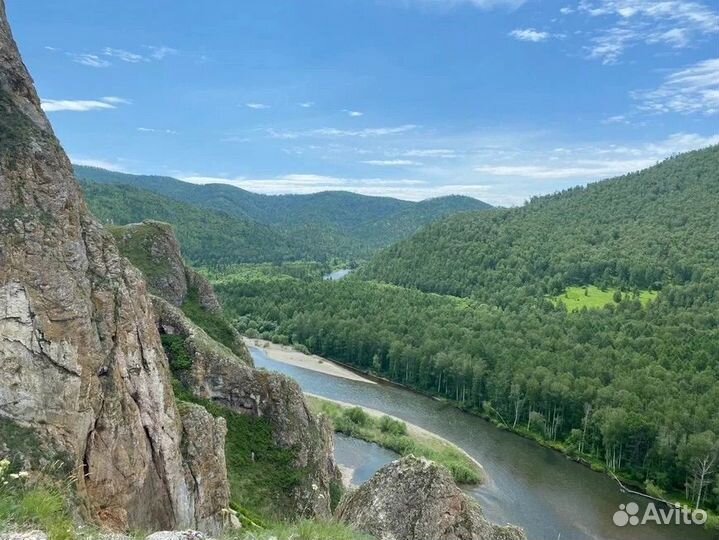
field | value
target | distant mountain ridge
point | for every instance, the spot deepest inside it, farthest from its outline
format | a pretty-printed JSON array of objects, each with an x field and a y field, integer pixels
[{"x": 249, "y": 227}]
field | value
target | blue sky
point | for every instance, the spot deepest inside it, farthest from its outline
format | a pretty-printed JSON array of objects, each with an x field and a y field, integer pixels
[{"x": 496, "y": 99}]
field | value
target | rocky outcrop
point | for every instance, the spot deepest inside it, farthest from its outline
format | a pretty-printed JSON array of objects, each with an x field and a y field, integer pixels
[
  {"x": 83, "y": 367},
  {"x": 153, "y": 247},
  {"x": 217, "y": 375},
  {"x": 416, "y": 499}
]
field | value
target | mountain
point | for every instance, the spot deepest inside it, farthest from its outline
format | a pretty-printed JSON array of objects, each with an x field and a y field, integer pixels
[
  {"x": 206, "y": 236},
  {"x": 639, "y": 231},
  {"x": 317, "y": 226}
]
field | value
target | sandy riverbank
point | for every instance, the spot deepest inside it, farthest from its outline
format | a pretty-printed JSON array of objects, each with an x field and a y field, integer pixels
[
  {"x": 414, "y": 431},
  {"x": 288, "y": 355}
]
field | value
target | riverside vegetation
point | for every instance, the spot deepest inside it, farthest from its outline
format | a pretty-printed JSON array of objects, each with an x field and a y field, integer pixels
[
  {"x": 393, "y": 434},
  {"x": 477, "y": 309}
]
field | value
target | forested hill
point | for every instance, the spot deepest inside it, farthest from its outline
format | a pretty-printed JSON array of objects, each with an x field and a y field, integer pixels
[
  {"x": 640, "y": 231},
  {"x": 318, "y": 226}
]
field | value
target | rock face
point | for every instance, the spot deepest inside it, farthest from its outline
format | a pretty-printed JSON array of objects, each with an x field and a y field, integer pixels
[
  {"x": 154, "y": 249},
  {"x": 416, "y": 499},
  {"x": 83, "y": 367},
  {"x": 216, "y": 374}
]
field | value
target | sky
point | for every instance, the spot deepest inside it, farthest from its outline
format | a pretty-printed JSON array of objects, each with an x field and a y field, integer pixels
[{"x": 496, "y": 99}]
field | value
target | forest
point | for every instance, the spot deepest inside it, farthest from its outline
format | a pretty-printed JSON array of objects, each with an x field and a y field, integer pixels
[{"x": 472, "y": 310}]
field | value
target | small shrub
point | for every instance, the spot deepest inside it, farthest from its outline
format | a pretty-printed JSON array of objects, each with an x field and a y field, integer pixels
[
  {"x": 389, "y": 425},
  {"x": 357, "y": 416}
]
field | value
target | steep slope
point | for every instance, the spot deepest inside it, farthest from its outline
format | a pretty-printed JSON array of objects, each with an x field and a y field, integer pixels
[
  {"x": 318, "y": 226},
  {"x": 642, "y": 230},
  {"x": 210, "y": 363},
  {"x": 84, "y": 371}
]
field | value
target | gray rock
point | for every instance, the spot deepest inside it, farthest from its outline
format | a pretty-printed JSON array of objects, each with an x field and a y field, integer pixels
[
  {"x": 220, "y": 376},
  {"x": 416, "y": 499},
  {"x": 29, "y": 535},
  {"x": 83, "y": 365},
  {"x": 177, "y": 535}
]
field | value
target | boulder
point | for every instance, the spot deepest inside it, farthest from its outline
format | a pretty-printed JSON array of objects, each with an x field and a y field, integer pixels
[{"x": 416, "y": 499}]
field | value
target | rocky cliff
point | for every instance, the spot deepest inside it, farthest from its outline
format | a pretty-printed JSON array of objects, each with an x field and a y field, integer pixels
[
  {"x": 83, "y": 366},
  {"x": 223, "y": 374},
  {"x": 416, "y": 499}
]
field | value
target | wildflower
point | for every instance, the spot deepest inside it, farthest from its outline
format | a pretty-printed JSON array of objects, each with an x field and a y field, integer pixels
[
  {"x": 23, "y": 474},
  {"x": 315, "y": 487},
  {"x": 14, "y": 476}
]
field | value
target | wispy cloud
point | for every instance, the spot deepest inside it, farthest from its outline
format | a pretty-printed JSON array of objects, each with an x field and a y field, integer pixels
[
  {"x": 91, "y": 60},
  {"x": 391, "y": 162},
  {"x": 155, "y": 130},
  {"x": 99, "y": 163},
  {"x": 617, "y": 119},
  {"x": 107, "y": 55},
  {"x": 307, "y": 104},
  {"x": 594, "y": 163},
  {"x": 124, "y": 56},
  {"x": 82, "y": 105},
  {"x": 257, "y": 106},
  {"x": 160, "y": 52},
  {"x": 530, "y": 34},
  {"x": 675, "y": 23},
  {"x": 694, "y": 89},
  {"x": 354, "y": 114},
  {"x": 338, "y": 133}
]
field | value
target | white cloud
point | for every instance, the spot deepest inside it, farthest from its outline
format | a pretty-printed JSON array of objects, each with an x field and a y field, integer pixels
[
  {"x": 91, "y": 60},
  {"x": 444, "y": 153},
  {"x": 617, "y": 119},
  {"x": 99, "y": 163},
  {"x": 307, "y": 104},
  {"x": 596, "y": 163},
  {"x": 675, "y": 23},
  {"x": 566, "y": 10},
  {"x": 354, "y": 114},
  {"x": 160, "y": 52},
  {"x": 257, "y": 106},
  {"x": 408, "y": 189},
  {"x": 391, "y": 162},
  {"x": 530, "y": 34},
  {"x": 154, "y": 130},
  {"x": 694, "y": 89},
  {"x": 124, "y": 56},
  {"x": 82, "y": 105},
  {"x": 338, "y": 133}
]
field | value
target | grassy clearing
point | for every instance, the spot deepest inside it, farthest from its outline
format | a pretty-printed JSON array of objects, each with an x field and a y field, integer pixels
[
  {"x": 591, "y": 297},
  {"x": 395, "y": 435}
]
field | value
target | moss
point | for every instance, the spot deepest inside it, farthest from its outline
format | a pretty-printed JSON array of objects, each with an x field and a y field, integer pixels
[
  {"x": 214, "y": 324},
  {"x": 135, "y": 243}
]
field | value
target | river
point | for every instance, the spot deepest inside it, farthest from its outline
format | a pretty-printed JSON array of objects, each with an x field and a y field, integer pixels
[{"x": 551, "y": 497}]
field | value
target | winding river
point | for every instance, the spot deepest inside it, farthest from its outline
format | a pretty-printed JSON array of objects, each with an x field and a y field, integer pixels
[{"x": 551, "y": 497}]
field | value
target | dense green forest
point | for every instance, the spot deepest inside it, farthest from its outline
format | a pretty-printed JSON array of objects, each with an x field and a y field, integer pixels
[
  {"x": 642, "y": 230},
  {"x": 476, "y": 316},
  {"x": 240, "y": 226},
  {"x": 207, "y": 237},
  {"x": 633, "y": 388}
]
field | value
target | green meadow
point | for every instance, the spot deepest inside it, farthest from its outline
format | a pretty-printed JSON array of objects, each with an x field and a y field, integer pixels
[{"x": 591, "y": 297}]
